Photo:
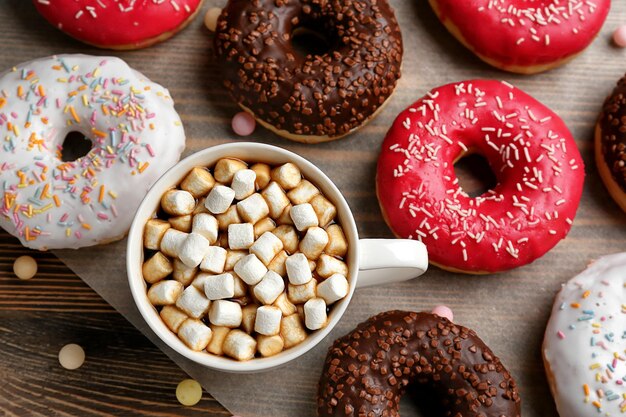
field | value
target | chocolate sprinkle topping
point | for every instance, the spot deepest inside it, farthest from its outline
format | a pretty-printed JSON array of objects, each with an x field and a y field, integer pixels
[
  {"x": 613, "y": 133},
  {"x": 313, "y": 95},
  {"x": 367, "y": 371}
]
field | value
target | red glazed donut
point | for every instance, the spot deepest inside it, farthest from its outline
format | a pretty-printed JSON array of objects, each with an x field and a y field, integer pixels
[
  {"x": 532, "y": 153},
  {"x": 129, "y": 24},
  {"x": 524, "y": 36},
  {"x": 368, "y": 370}
]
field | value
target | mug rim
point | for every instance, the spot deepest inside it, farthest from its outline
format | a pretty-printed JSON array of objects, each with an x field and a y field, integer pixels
[{"x": 172, "y": 177}]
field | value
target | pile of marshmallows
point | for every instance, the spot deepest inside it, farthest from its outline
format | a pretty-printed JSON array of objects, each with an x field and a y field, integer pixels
[{"x": 244, "y": 256}]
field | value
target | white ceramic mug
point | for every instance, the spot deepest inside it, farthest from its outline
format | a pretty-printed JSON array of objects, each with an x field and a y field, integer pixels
[{"x": 370, "y": 261}]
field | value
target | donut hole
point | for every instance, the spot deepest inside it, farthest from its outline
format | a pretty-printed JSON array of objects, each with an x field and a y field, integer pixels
[
  {"x": 75, "y": 146},
  {"x": 475, "y": 174},
  {"x": 309, "y": 41},
  {"x": 423, "y": 399}
]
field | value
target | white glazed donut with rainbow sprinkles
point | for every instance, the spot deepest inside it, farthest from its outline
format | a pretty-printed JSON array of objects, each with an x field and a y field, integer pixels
[
  {"x": 584, "y": 349},
  {"x": 136, "y": 135}
]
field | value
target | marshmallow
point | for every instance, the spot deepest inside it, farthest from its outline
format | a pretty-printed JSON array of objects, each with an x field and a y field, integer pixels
[
  {"x": 276, "y": 199},
  {"x": 303, "y": 193},
  {"x": 231, "y": 216},
  {"x": 178, "y": 202},
  {"x": 337, "y": 244},
  {"x": 156, "y": 268},
  {"x": 226, "y": 168},
  {"x": 217, "y": 341},
  {"x": 270, "y": 287},
  {"x": 153, "y": 233},
  {"x": 333, "y": 289},
  {"x": 262, "y": 172},
  {"x": 287, "y": 176},
  {"x": 292, "y": 331},
  {"x": 172, "y": 317},
  {"x": 222, "y": 241},
  {"x": 250, "y": 269},
  {"x": 193, "y": 249},
  {"x": 324, "y": 209},
  {"x": 206, "y": 225},
  {"x": 288, "y": 235},
  {"x": 299, "y": 294},
  {"x": 327, "y": 266},
  {"x": 303, "y": 216},
  {"x": 248, "y": 317},
  {"x": 243, "y": 183},
  {"x": 182, "y": 223},
  {"x": 217, "y": 287},
  {"x": 278, "y": 264},
  {"x": 269, "y": 345},
  {"x": 164, "y": 292},
  {"x": 298, "y": 269},
  {"x": 171, "y": 241},
  {"x": 267, "y": 320},
  {"x": 253, "y": 208},
  {"x": 240, "y": 236},
  {"x": 267, "y": 247},
  {"x": 262, "y": 226},
  {"x": 239, "y": 345},
  {"x": 232, "y": 257},
  {"x": 198, "y": 182},
  {"x": 225, "y": 313},
  {"x": 315, "y": 314},
  {"x": 241, "y": 288},
  {"x": 286, "y": 306},
  {"x": 214, "y": 260},
  {"x": 285, "y": 218},
  {"x": 314, "y": 242},
  {"x": 200, "y": 207},
  {"x": 193, "y": 302},
  {"x": 219, "y": 199},
  {"x": 182, "y": 273},
  {"x": 195, "y": 334},
  {"x": 200, "y": 279}
]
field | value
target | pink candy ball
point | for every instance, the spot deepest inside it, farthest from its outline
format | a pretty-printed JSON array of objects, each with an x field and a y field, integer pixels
[
  {"x": 619, "y": 36},
  {"x": 243, "y": 124},
  {"x": 443, "y": 311}
]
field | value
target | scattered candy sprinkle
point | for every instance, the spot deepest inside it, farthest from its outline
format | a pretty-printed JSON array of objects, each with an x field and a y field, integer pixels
[
  {"x": 25, "y": 267},
  {"x": 189, "y": 392},
  {"x": 71, "y": 356},
  {"x": 210, "y": 18},
  {"x": 243, "y": 124},
  {"x": 619, "y": 36}
]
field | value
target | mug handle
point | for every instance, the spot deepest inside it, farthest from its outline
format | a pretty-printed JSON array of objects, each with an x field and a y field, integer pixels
[{"x": 385, "y": 261}]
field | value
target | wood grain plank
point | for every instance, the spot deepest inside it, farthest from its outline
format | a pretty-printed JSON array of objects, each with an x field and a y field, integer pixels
[{"x": 123, "y": 375}]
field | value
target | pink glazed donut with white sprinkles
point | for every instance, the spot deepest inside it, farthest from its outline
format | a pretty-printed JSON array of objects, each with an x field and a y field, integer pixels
[
  {"x": 531, "y": 152},
  {"x": 136, "y": 136}
]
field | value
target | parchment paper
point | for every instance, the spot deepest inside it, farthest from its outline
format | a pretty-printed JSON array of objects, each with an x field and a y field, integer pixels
[{"x": 509, "y": 311}]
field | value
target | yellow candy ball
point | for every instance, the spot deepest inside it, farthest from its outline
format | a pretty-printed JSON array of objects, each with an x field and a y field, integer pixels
[
  {"x": 210, "y": 18},
  {"x": 189, "y": 392},
  {"x": 25, "y": 267},
  {"x": 71, "y": 356}
]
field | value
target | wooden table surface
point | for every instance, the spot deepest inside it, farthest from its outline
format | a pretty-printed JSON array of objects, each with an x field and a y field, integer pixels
[{"x": 125, "y": 374}]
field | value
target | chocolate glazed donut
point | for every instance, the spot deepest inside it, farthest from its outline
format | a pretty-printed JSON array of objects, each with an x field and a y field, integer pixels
[
  {"x": 367, "y": 371},
  {"x": 317, "y": 97}
]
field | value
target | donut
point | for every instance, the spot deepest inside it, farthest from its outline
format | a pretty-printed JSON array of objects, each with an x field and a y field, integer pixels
[
  {"x": 610, "y": 144},
  {"x": 367, "y": 371},
  {"x": 584, "y": 348},
  {"x": 539, "y": 170},
  {"x": 309, "y": 97},
  {"x": 532, "y": 35},
  {"x": 129, "y": 24},
  {"x": 135, "y": 134}
]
